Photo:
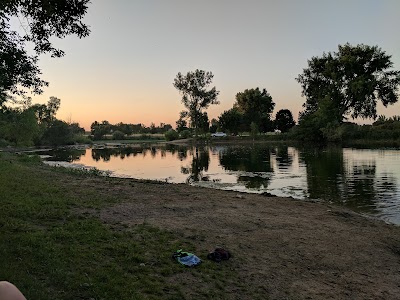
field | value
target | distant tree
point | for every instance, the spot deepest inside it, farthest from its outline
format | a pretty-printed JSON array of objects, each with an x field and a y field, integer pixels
[
  {"x": 45, "y": 114},
  {"x": 181, "y": 124},
  {"x": 99, "y": 130},
  {"x": 348, "y": 83},
  {"x": 125, "y": 128},
  {"x": 214, "y": 125},
  {"x": 118, "y": 135},
  {"x": 76, "y": 129},
  {"x": 231, "y": 120},
  {"x": 203, "y": 122},
  {"x": 196, "y": 96},
  {"x": 165, "y": 127},
  {"x": 284, "y": 120},
  {"x": 185, "y": 134},
  {"x": 153, "y": 128},
  {"x": 255, "y": 106},
  {"x": 19, "y": 126},
  {"x": 171, "y": 135},
  {"x": 44, "y": 19},
  {"x": 58, "y": 133},
  {"x": 52, "y": 107},
  {"x": 137, "y": 128}
]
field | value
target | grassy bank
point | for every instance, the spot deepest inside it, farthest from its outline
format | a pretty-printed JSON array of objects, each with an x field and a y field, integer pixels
[{"x": 53, "y": 246}]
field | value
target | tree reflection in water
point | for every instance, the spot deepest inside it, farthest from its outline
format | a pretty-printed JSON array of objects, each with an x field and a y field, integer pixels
[
  {"x": 181, "y": 151},
  {"x": 106, "y": 153},
  {"x": 200, "y": 162},
  {"x": 330, "y": 177},
  {"x": 284, "y": 160},
  {"x": 68, "y": 155},
  {"x": 255, "y": 160}
]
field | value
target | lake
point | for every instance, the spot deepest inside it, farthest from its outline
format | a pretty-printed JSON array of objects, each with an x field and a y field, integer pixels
[{"x": 365, "y": 180}]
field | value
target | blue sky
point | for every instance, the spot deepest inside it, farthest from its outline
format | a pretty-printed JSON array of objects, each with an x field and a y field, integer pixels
[{"x": 125, "y": 69}]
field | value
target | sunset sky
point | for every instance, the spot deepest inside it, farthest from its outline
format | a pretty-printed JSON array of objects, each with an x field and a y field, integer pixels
[{"x": 123, "y": 72}]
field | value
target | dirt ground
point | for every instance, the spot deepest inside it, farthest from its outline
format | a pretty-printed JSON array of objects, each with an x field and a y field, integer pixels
[{"x": 291, "y": 249}]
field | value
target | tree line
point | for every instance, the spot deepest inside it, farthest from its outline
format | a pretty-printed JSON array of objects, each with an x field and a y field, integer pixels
[
  {"x": 251, "y": 111},
  {"x": 337, "y": 86},
  {"x": 120, "y": 131}
]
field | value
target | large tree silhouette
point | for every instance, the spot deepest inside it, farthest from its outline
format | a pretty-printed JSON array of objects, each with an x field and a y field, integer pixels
[{"x": 196, "y": 96}]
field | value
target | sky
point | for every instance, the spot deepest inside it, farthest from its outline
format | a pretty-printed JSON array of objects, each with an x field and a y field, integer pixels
[{"x": 124, "y": 71}]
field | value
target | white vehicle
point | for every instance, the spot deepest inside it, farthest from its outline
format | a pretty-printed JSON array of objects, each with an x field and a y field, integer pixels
[{"x": 218, "y": 134}]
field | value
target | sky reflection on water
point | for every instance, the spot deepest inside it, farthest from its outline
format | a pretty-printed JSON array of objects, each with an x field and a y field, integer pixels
[{"x": 365, "y": 180}]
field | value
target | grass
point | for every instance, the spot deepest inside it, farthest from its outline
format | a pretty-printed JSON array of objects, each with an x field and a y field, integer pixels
[{"x": 50, "y": 251}]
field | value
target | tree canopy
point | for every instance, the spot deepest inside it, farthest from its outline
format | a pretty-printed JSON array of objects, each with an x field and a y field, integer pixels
[
  {"x": 230, "y": 120},
  {"x": 255, "y": 106},
  {"x": 284, "y": 120},
  {"x": 196, "y": 95},
  {"x": 349, "y": 82},
  {"x": 41, "y": 20}
]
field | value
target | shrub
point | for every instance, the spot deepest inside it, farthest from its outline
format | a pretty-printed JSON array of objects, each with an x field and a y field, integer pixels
[
  {"x": 82, "y": 139},
  {"x": 185, "y": 134},
  {"x": 171, "y": 135},
  {"x": 118, "y": 135}
]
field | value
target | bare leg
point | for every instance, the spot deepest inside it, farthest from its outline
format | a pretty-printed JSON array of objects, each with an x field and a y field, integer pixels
[{"x": 8, "y": 291}]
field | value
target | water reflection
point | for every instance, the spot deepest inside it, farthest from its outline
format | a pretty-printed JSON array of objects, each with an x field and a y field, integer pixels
[
  {"x": 325, "y": 172},
  {"x": 68, "y": 155},
  {"x": 198, "y": 167},
  {"x": 365, "y": 180},
  {"x": 253, "y": 162},
  {"x": 248, "y": 159},
  {"x": 283, "y": 158},
  {"x": 105, "y": 154},
  {"x": 360, "y": 180}
]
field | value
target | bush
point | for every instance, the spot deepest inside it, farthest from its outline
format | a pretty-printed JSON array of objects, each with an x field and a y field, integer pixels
[
  {"x": 185, "y": 134},
  {"x": 82, "y": 139},
  {"x": 118, "y": 135},
  {"x": 171, "y": 135},
  {"x": 58, "y": 133}
]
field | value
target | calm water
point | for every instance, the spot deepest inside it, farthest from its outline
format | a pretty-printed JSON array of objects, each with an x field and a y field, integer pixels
[{"x": 367, "y": 181}]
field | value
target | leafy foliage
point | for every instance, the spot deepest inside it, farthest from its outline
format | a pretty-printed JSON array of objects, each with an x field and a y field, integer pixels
[
  {"x": 58, "y": 133},
  {"x": 44, "y": 19},
  {"x": 284, "y": 120},
  {"x": 231, "y": 120},
  {"x": 195, "y": 95},
  {"x": 171, "y": 135},
  {"x": 19, "y": 126},
  {"x": 118, "y": 135},
  {"x": 18, "y": 70},
  {"x": 255, "y": 106},
  {"x": 181, "y": 124},
  {"x": 349, "y": 82},
  {"x": 100, "y": 129},
  {"x": 37, "y": 125},
  {"x": 343, "y": 84}
]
